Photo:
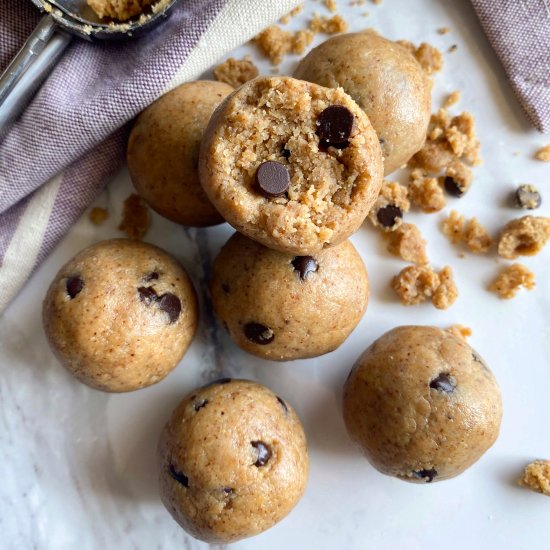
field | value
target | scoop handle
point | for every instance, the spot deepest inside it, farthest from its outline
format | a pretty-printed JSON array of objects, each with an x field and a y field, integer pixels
[{"x": 30, "y": 67}]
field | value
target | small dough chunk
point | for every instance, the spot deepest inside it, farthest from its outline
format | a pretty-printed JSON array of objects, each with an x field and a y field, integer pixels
[
  {"x": 407, "y": 243},
  {"x": 328, "y": 25},
  {"x": 235, "y": 72},
  {"x": 429, "y": 57},
  {"x": 425, "y": 192},
  {"x": 282, "y": 307},
  {"x": 471, "y": 233},
  {"x": 422, "y": 404},
  {"x": 233, "y": 461},
  {"x": 386, "y": 82},
  {"x": 392, "y": 202},
  {"x": 121, "y": 10},
  {"x": 543, "y": 153},
  {"x": 524, "y": 237},
  {"x": 458, "y": 179},
  {"x": 460, "y": 331},
  {"x": 276, "y": 120},
  {"x": 120, "y": 315},
  {"x": 136, "y": 218},
  {"x": 511, "y": 279},
  {"x": 163, "y": 152},
  {"x": 536, "y": 477}
]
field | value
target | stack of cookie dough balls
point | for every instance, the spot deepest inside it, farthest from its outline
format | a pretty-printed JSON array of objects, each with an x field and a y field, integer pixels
[
  {"x": 120, "y": 315},
  {"x": 233, "y": 461},
  {"x": 422, "y": 404},
  {"x": 163, "y": 152},
  {"x": 385, "y": 80}
]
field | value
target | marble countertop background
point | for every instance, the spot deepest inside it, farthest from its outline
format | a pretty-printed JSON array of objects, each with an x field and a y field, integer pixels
[{"x": 78, "y": 466}]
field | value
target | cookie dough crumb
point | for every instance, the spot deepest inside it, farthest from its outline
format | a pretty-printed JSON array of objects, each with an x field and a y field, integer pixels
[
  {"x": 236, "y": 72},
  {"x": 425, "y": 192},
  {"x": 453, "y": 48},
  {"x": 275, "y": 43},
  {"x": 451, "y": 99},
  {"x": 328, "y": 25},
  {"x": 527, "y": 197},
  {"x": 358, "y": 2},
  {"x": 543, "y": 154},
  {"x": 407, "y": 243},
  {"x": 98, "y": 215},
  {"x": 536, "y": 477},
  {"x": 415, "y": 284},
  {"x": 136, "y": 218},
  {"x": 511, "y": 279},
  {"x": 443, "y": 30},
  {"x": 471, "y": 233},
  {"x": 392, "y": 202},
  {"x": 301, "y": 40},
  {"x": 460, "y": 331},
  {"x": 331, "y": 5},
  {"x": 121, "y": 10},
  {"x": 524, "y": 237},
  {"x": 429, "y": 57},
  {"x": 293, "y": 13},
  {"x": 376, "y": 1},
  {"x": 458, "y": 178}
]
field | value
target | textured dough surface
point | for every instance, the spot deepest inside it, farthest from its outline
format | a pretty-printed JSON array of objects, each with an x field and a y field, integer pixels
[
  {"x": 121, "y": 10},
  {"x": 106, "y": 335},
  {"x": 331, "y": 190},
  {"x": 385, "y": 80},
  {"x": 405, "y": 427},
  {"x": 209, "y": 479},
  {"x": 163, "y": 152},
  {"x": 307, "y": 317}
]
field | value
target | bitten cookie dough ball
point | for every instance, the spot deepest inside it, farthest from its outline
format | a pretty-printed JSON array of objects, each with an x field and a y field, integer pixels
[
  {"x": 120, "y": 315},
  {"x": 422, "y": 404},
  {"x": 290, "y": 164},
  {"x": 283, "y": 307},
  {"x": 163, "y": 152},
  {"x": 385, "y": 80},
  {"x": 233, "y": 461}
]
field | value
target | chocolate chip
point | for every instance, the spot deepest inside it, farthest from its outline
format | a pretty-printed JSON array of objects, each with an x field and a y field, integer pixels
[
  {"x": 200, "y": 404},
  {"x": 74, "y": 285},
  {"x": 305, "y": 265},
  {"x": 178, "y": 476},
  {"x": 444, "y": 382},
  {"x": 272, "y": 179},
  {"x": 258, "y": 333},
  {"x": 388, "y": 215},
  {"x": 170, "y": 303},
  {"x": 228, "y": 490},
  {"x": 452, "y": 187},
  {"x": 283, "y": 404},
  {"x": 263, "y": 453},
  {"x": 527, "y": 197},
  {"x": 147, "y": 294},
  {"x": 334, "y": 125},
  {"x": 226, "y": 288},
  {"x": 285, "y": 152},
  {"x": 428, "y": 475},
  {"x": 153, "y": 276}
]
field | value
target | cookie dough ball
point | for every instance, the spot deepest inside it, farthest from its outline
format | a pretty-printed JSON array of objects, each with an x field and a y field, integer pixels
[
  {"x": 422, "y": 404},
  {"x": 163, "y": 152},
  {"x": 283, "y": 307},
  {"x": 385, "y": 80},
  {"x": 233, "y": 461},
  {"x": 120, "y": 315},
  {"x": 290, "y": 164}
]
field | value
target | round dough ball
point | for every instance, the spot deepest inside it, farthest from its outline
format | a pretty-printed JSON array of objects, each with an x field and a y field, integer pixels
[
  {"x": 264, "y": 167},
  {"x": 233, "y": 460},
  {"x": 120, "y": 315},
  {"x": 422, "y": 404},
  {"x": 163, "y": 152},
  {"x": 284, "y": 307},
  {"x": 385, "y": 80}
]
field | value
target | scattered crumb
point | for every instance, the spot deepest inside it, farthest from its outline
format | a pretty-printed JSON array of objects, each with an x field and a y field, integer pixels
[
  {"x": 543, "y": 154},
  {"x": 415, "y": 284},
  {"x": 453, "y": 48},
  {"x": 358, "y": 2},
  {"x": 443, "y": 30},
  {"x": 511, "y": 279},
  {"x": 98, "y": 215},
  {"x": 331, "y": 5},
  {"x": 376, "y": 1},
  {"x": 451, "y": 99},
  {"x": 429, "y": 57},
  {"x": 425, "y": 192},
  {"x": 407, "y": 243},
  {"x": 527, "y": 197},
  {"x": 536, "y": 477},
  {"x": 471, "y": 233},
  {"x": 236, "y": 72},
  {"x": 458, "y": 178},
  {"x": 136, "y": 218},
  {"x": 460, "y": 331},
  {"x": 275, "y": 43},
  {"x": 293, "y": 13},
  {"x": 392, "y": 202},
  {"x": 302, "y": 39},
  {"x": 329, "y": 25},
  {"x": 524, "y": 237}
]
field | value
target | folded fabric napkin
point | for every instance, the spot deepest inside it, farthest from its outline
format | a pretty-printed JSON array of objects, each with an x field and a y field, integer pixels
[{"x": 70, "y": 140}]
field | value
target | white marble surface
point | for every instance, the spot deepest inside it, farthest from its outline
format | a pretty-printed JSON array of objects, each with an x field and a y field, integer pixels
[{"x": 78, "y": 466}]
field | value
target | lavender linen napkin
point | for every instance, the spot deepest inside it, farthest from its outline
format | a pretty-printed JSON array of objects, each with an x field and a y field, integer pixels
[
  {"x": 519, "y": 31},
  {"x": 70, "y": 140}
]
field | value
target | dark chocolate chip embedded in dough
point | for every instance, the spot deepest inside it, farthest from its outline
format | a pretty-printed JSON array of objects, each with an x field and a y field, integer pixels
[
  {"x": 226, "y": 288},
  {"x": 200, "y": 404},
  {"x": 428, "y": 475},
  {"x": 147, "y": 294},
  {"x": 228, "y": 490},
  {"x": 272, "y": 179},
  {"x": 285, "y": 152},
  {"x": 282, "y": 402},
  {"x": 334, "y": 125},
  {"x": 153, "y": 276},
  {"x": 170, "y": 304},
  {"x": 305, "y": 265},
  {"x": 443, "y": 382},
  {"x": 388, "y": 215},
  {"x": 527, "y": 197},
  {"x": 452, "y": 187},
  {"x": 258, "y": 333},
  {"x": 263, "y": 453},
  {"x": 74, "y": 285},
  {"x": 178, "y": 476}
]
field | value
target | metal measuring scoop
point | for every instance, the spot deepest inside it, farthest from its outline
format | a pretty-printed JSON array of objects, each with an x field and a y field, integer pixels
[{"x": 63, "y": 19}]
